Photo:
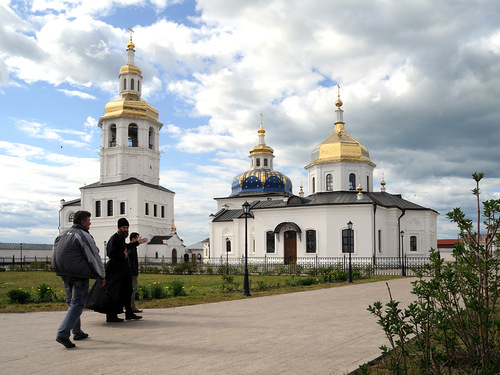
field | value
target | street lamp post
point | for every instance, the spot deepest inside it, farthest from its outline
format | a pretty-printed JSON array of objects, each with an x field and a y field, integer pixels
[
  {"x": 228, "y": 241},
  {"x": 246, "y": 286},
  {"x": 349, "y": 236},
  {"x": 403, "y": 268},
  {"x": 21, "y": 256}
]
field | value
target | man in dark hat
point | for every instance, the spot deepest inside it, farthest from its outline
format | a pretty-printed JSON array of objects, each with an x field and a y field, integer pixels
[{"x": 118, "y": 275}]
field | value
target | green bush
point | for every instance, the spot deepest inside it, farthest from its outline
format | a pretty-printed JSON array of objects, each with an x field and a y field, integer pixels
[
  {"x": 18, "y": 296},
  {"x": 177, "y": 288},
  {"x": 44, "y": 293},
  {"x": 2, "y": 269}
]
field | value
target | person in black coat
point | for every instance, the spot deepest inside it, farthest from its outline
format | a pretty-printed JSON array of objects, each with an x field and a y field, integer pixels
[{"x": 118, "y": 274}]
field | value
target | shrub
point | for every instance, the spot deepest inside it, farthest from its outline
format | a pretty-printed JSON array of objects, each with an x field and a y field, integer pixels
[
  {"x": 177, "y": 288},
  {"x": 44, "y": 293},
  {"x": 2, "y": 269},
  {"x": 18, "y": 296}
]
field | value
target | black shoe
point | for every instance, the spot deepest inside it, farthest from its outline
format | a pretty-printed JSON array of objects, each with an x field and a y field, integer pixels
[
  {"x": 133, "y": 316},
  {"x": 114, "y": 319},
  {"x": 80, "y": 336},
  {"x": 66, "y": 342}
]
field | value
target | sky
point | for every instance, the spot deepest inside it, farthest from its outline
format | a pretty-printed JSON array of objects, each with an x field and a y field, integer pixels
[{"x": 420, "y": 83}]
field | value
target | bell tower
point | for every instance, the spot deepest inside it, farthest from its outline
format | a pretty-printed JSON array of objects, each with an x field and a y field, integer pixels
[{"x": 130, "y": 130}]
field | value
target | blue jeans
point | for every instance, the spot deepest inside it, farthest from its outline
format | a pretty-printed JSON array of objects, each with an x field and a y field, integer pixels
[{"x": 76, "y": 296}]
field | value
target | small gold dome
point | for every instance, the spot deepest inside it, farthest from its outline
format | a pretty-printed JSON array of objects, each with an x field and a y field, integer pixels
[
  {"x": 129, "y": 106},
  {"x": 340, "y": 146},
  {"x": 130, "y": 45},
  {"x": 339, "y": 103}
]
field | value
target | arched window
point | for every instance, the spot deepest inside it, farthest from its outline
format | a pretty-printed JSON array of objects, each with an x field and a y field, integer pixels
[
  {"x": 146, "y": 209},
  {"x": 367, "y": 183},
  {"x": 257, "y": 162},
  {"x": 329, "y": 182},
  {"x": 352, "y": 181},
  {"x": 110, "y": 207},
  {"x": 379, "y": 241},
  {"x": 132, "y": 84},
  {"x": 98, "y": 209},
  {"x": 310, "y": 241},
  {"x": 71, "y": 216},
  {"x": 413, "y": 243},
  {"x": 124, "y": 83},
  {"x": 122, "y": 208},
  {"x": 112, "y": 135},
  {"x": 132, "y": 135},
  {"x": 314, "y": 185},
  {"x": 270, "y": 246},
  {"x": 151, "y": 138},
  {"x": 265, "y": 162},
  {"x": 138, "y": 85},
  {"x": 347, "y": 241}
]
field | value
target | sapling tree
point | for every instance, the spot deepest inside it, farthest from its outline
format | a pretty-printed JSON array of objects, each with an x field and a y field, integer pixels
[{"x": 455, "y": 321}]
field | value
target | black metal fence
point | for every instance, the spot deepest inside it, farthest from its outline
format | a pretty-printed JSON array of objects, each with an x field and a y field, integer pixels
[{"x": 393, "y": 266}]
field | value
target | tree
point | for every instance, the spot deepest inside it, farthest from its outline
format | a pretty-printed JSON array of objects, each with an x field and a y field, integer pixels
[{"x": 455, "y": 321}]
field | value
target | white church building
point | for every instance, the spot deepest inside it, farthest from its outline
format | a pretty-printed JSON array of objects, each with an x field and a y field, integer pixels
[
  {"x": 288, "y": 227},
  {"x": 129, "y": 174}
]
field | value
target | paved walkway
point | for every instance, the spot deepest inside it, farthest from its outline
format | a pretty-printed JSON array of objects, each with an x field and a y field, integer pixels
[{"x": 327, "y": 331}]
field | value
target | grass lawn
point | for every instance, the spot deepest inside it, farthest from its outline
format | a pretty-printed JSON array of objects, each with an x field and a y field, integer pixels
[{"x": 199, "y": 288}]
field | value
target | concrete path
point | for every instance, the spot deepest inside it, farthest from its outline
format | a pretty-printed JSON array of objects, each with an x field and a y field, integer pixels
[{"x": 327, "y": 331}]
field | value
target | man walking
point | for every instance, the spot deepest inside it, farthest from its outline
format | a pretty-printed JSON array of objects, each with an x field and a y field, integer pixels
[
  {"x": 75, "y": 257},
  {"x": 118, "y": 273}
]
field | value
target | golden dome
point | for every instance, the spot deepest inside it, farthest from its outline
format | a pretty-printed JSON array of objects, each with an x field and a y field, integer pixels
[
  {"x": 130, "y": 69},
  {"x": 128, "y": 106},
  {"x": 340, "y": 146}
]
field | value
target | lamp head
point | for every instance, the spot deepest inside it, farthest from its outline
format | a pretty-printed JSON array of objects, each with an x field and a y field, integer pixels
[
  {"x": 349, "y": 225},
  {"x": 246, "y": 207},
  {"x": 402, "y": 233}
]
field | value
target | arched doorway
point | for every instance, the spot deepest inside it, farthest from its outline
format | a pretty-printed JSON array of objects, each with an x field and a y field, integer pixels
[
  {"x": 174, "y": 256},
  {"x": 290, "y": 247}
]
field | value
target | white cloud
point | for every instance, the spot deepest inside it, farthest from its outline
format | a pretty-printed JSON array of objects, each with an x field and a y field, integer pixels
[{"x": 79, "y": 94}]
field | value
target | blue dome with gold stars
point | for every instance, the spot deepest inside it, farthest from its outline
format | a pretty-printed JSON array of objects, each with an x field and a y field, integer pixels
[{"x": 261, "y": 181}]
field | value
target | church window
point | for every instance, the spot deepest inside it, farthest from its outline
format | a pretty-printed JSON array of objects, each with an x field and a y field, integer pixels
[
  {"x": 228, "y": 245},
  {"x": 155, "y": 210},
  {"x": 97, "y": 208},
  {"x": 132, "y": 135},
  {"x": 138, "y": 86},
  {"x": 265, "y": 162},
  {"x": 146, "y": 209},
  {"x": 257, "y": 162},
  {"x": 379, "y": 241},
  {"x": 352, "y": 181},
  {"x": 270, "y": 246},
  {"x": 156, "y": 255},
  {"x": 310, "y": 241},
  {"x": 132, "y": 84},
  {"x": 413, "y": 243},
  {"x": 112, "y": 135},
  {"x": 347, "y": 241},
  {"x": 314, "y": 185},
  {"x": 329, "y": 182},
  {"x": 70, "y": 217},
  {"x": 122, "y": 208},
  {"x": 110, "y": 207},
  {"x": 151, "y": 138},
  {"x": 162, "y": 211},
  {"x": 367, "y": 183},
  {"x": 124, "y": 83}
]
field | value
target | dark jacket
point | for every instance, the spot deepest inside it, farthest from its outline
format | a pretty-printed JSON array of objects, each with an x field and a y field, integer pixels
[
  {"x": 75, "y": 254},
  {"x": 133, "y": 260}
]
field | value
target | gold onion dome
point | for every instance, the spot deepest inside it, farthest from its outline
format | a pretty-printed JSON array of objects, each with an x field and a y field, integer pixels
[{"x": 340, "y": 146}]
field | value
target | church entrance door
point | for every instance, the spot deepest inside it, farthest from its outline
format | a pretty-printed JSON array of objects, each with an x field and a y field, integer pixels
[
  {"x": 290, "y": 253},
  {"x": 174, "y": 256}
]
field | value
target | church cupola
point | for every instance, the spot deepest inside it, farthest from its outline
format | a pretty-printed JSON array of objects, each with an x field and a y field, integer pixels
[
  {"x": 130, "y": 130},
  {"x": 261, "y": 178},
  {"x": 340, "y": 160}
]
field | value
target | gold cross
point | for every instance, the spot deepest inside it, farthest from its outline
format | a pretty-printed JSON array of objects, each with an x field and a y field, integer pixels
[
  {"x": 261, "y": 115},
  {"x": 338, "y": 85},
  {"x": 131, "y": 31}
]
